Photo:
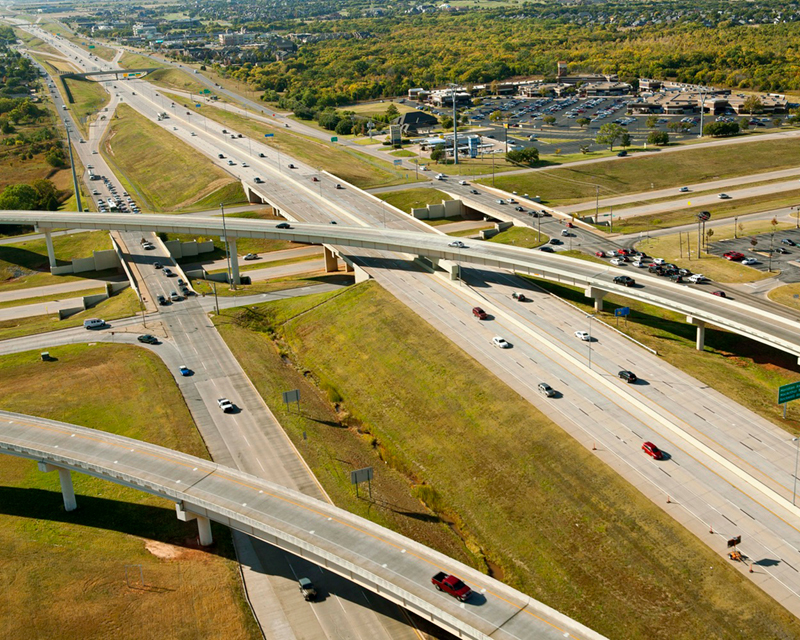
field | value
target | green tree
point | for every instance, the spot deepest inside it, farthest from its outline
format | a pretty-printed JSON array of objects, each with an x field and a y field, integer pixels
[
  {"x": 391, "y": 111},
  {"x": 494, "y": 116},
  {"x": 549, "y": 120},
  {"x": 625, "y": 139},
  {"x": 744, "y": 124},
  {"x": 344, "y": 127},
  {"x": 651, "y": 122},
  {"x": 721, "y": 129},
  {"x": 658, "y": 138},
  {"x": 446, "y": 122},
  {"x": 528, "y": 156},
  {"x": 752, "y": 104},
  {"x": 582, "y": 122},
  {"x": 438, "y": 153},
  {"x": 609, "y": 134},
  {"x": 19, "y": 196}
]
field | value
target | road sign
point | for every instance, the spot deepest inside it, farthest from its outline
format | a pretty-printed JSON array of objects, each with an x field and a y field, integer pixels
[
  {"x": 703, "y": 215},
  {"x": 398, "y": 162},
  {"x": 291, "y": 396},
  {"x": 269, "y": 135},
  {"x": 198, "y": 105},
  {"x": 788, "y": 392},
  {"x": 206, "y": 90},
  {"x": 622, "y": 311},
  {"x": 362, "y": 475},
  {"x": 91, "y": 46},
  {"x": 335, "y": 139}
]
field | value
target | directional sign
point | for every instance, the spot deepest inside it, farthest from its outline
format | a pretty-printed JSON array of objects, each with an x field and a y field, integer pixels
[
  {"x": 206, "y": 90},
  {"x": 91, "y": 46},
  {"x": 269, "y": 135},
  {"x": 198, "y": 105},
  {"x": 361, "y": 475},
  {"x": 788, "y": 392},
  {"x": 335, "y": 139},
  {"x": 622, "y": 311},
  {"x": 398, "y": 162},
  {"x": 703, "y": 215}
]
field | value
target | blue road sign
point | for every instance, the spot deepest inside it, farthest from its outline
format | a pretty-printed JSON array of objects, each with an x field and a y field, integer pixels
[{"x": 622, "y": 311}]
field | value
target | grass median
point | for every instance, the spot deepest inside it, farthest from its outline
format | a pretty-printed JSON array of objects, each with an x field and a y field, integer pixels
[
  {"x": 417, "y": 198},
  {"x": 88, "y": 97},
  {"x": 529, "y": 504},
  {"x": 68, "y": 570},
  {"x": 163, "y": 172}
]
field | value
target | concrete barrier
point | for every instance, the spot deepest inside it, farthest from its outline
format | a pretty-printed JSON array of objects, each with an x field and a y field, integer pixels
[
  {"x": 178, "y": 249},
  {"x": 99, "y": 261}
]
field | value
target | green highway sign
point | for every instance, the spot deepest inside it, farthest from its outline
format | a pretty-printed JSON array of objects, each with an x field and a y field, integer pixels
[
  {"x": 91, "y": 46},
  {"x": 206, "y": 90},
  {"x": 788, "y": 392},
  {"x": 334, "y": 139}
]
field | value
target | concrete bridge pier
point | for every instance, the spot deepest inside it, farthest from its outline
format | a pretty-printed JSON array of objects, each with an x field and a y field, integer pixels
[
  {"x": 203, "y": 524},
  {"x": 701, "y": 332},
  {"x": 64, "y": 476},
  {"x": 48, "y": 240},
  {"x": 597, "y": 295},
  {"x": 234, "y": 260},
  {"x": 331, "y": 261}
]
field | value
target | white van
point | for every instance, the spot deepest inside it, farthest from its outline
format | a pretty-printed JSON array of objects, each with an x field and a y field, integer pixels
[{"x": 94, "y": 323}]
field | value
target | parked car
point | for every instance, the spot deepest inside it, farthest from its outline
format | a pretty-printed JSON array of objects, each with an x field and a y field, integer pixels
[
  {"x": 175, "y": 296},
  {"x": 501, "y": 343},
  {"x": 452, "y": 585},
  {"x": 546, "y": 249},
  {"x": 168, "y": 272},
  {"x": 622, "y": 154},
  {"x": 627, "y": 376},
  {"x": 653, "y": 451},
  {"x": 749, "y": 261},
  {"x": 162, "y": 301},
  {"x": 600, "y": 254},
  {"x": 789, "y": 241},
  {"x": 555, "y": 241},
  {"x": 733, "y": 255},
  {"x": 479, "y": 313},
  {"x": 158, "y": 265},
  {"x": 697, "y": 278},
  {"x": 782, "y": 250}
]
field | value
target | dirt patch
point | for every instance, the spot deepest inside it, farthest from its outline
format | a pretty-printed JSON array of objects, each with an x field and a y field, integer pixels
[{"x": 164, "y": 551}]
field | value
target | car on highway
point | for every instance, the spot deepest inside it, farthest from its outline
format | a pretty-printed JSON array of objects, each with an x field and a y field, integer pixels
[
  {"x": 547, "y": 249},
  {"x": 583, "y": 335},
  {"x": 225, "y": 404},
  {"x": 618, "y": 261},
  {"x": 158, "y": 265},
  {"x": 520, "y": 209},
  {"x": 600, "y": 254},
  {"x": 251, "y": 256},
  {"x": 168, "y": 272},
  {"x": 479, "y": 313},
  {"x": 625, "y": 281},
  {"x": 148, "y": 246},
  {"x": 231, "y": 163},
  {"x": 546, "y": 390},
  {"x": 452, "y": 585},
  {"x": 258, "y": 180},
  {"x": 463, "y": 182},
  {"x": 749, "y": 261},
  {"x": 338, "y": 186},
  {"x": 147, "y": 339},
  {"x": 500, "y": 343},
  {"x": 500, "y": 201},
  {"x": 733, "y": 255},
  {"x": 283, "y": 225},
  {"x": 291, "y": 166},
  {"x": 458, "y": 244},
  {"x": 221, "y": 156},
  {"x": 721, "y": 294},
  {"x": 261, "y": 155},
  {"x": 162, "y": 300},
  {"x": 684, "y": 189},
  {"x": 94, "y": 323},
  {"x": 307, "y": 589},
  {"x": 520, "y": 297},
  {"x": 622, "y": 154},
  {"x": 723, "y": 196},
  {"x": 638, "y": 263},
  {"x": 474, "y": 191},
  {"x": 697, "y": 278},
  {"x": 185, "y": 371},
  {"x": 627, "y": 376},
  {"x": 789, "y": 241},
  {"x": 653, "y": 451},
  {"x": 244, "y": 164}
]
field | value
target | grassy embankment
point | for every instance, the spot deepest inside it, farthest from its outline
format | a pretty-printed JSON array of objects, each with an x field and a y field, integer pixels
[
  {"x": 25, "y": 264},
  {"x": 89, "y": 97},
  {"x": 409, "y": 199},
  {"x": 529, "y": 502},
  {"x": 518, "y": 237},
  {"x": 671, "y": 249},
  {"x": 566, "y": 185},
  {"x": 22, "y": 302},
  {"x": 165, "y": 174},
  {"x": 138, "y": 61},
  {"x": 66, "y": 571},
  {"x": 787, "y": 295},
  {"x": 350, "y": 165},
  {"x": 243, "y": 246},
  {"x": 175, "y": 79},
  {"x": 206, "y": 287}
]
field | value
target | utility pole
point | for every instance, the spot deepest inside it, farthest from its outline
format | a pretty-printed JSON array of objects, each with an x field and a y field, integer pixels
[
  {"x": 702, "y": 112},
  {"x": 227, "y": 248},
  {"x": 597, "y": 203},
  {"x": 455, "y": 126},
  {"x": 74, "y": 175}
]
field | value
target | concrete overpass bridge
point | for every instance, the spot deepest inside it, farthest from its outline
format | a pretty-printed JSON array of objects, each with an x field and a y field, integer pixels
[
  {"x": 376, "y": 558},
  {"x": 698, "y": 306},
  {"x": 117, "y": 73}
]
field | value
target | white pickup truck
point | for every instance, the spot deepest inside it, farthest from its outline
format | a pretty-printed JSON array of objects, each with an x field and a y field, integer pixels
[{"x": 225, "y": 404}]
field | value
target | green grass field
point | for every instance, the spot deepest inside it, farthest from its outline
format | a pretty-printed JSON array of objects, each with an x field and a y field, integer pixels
[
  {"x": 137, "y": 61},
  {"x": 537, "y": 508},
  {"x": 658, "y": 171},
  {"x": 243, "y": 246},
  {"x": 520, "y": 237},
  {"x": 68, "y": 569},
  {"x": 785, "y": 295},
  {"x": 206, "y": 287},
  {"x": 25, "y": 264},
  {"x": 56, "y": 296},
  {"x": 175, "y": 79},
  {"x": 89, "y": 98},
  {"x": 415, "y": 198},
  {"x": 165, "y": 173}
]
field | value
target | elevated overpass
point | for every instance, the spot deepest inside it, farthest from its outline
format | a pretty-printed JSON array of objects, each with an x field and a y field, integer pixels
[
  {"x": 699, "y": 307},
  {"x": 117, "y": 73},
  {"x": 376, "y": 558}
]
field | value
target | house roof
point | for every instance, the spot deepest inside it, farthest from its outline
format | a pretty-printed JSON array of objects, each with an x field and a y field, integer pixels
[{"x": 416, "y": 119}]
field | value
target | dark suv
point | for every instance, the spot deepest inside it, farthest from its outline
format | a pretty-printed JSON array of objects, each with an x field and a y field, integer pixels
[
  {"x": 627, "y": 376},
  {"x": 625, "y": 281}
]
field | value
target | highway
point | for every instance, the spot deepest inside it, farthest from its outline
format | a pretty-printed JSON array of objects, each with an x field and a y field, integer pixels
[
  {"x": 379, "y": 559},
  {"x": 713, "y": 479}
]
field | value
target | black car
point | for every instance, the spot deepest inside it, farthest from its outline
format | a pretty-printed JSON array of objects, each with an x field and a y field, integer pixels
[
  {"x": 147, "y": 339},
  {"x": 547, "y": 249},
  {"x": 186, "y": 292},
  {"x": 791, "y": 243},
  {"x": 283, "y": 225},
  {"x": 626, "y": 281},
  {"x": 158, "y": 265},
  {"x": 162, "y": 301},
  {"x": 628, "y": 376},
  {"x": 261, "y": 155},
  {"x": 555, "y": 241},
  {"x": 782, "y": 250}
]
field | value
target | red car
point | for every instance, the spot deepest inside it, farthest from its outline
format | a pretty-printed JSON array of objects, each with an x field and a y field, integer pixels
[
  {"x": 733, "y": 255},
  {"x": 623, "y": 252},
  {"x": 570, "y": 225},
  {"x": 452, "y": 585},
  {"x": 479, "y": 313},
  {"x": 652, "y": 450},
  {"x": 600, "y": 254},
  {"x": 721, "y": 294}
]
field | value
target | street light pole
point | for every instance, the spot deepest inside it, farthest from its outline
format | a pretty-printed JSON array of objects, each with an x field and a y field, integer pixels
[
  {"x": 797, "y": 452},
  {"x": 227, "y": 247},
  {"x": 590, "y": 339}
]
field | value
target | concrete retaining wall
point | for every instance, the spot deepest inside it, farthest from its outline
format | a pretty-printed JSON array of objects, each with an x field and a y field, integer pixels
[
  {"x": 100, "y": 260},
  {"x": 448, "y": 209},
  {"x": 178, "y": 249}
]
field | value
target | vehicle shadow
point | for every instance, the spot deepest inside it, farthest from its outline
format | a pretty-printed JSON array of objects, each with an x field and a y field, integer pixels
[{"x": 767, "y": 562}]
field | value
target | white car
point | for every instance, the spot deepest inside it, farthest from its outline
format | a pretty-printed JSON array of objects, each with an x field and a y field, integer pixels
[
  {"x": 749, "y": 261},
  {"x": 244, "y": 164},
  {"x": 501, "y": 343},
  {"x": 617, "y": 261},
  {"x": 658, "y": 261},
  {"x": 501, "y": 201},
  {"x": 684, "y": 189},
  {"x": 463, "y": 182},
  {"x": 225, "y": 404},
  {"x": 458, "y": 244},
  {"x": 251, "y": 256},
  {"x": 638, "y": 263},
  {"x": 723, "y": 196},
  {"x": 583, "y": 335},
  {"x": 697, "y": 278}
]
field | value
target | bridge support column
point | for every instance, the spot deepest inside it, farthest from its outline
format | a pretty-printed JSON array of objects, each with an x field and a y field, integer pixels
[
  {"x": 203, "y": 524},
  {"x": 67, "y": 491},
  {"x": 597, "y": 295},
  {"x": 331, "y": 261},
  {"x": 701, "y": 331},
  {"x": 48, "y": 240},
  {"x": 234, "y": 260}
]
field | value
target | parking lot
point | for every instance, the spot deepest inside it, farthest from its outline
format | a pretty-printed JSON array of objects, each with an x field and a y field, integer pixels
[
  {"x": 526, "y": 121},
  {"x": 785, "y": 251}
]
